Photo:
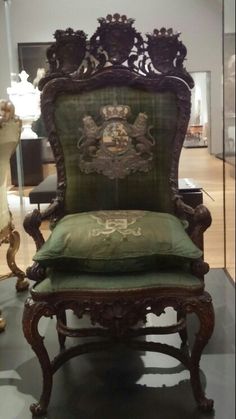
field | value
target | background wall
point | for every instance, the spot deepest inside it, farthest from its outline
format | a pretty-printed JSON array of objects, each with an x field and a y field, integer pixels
[{"x": 200, "y": 22}]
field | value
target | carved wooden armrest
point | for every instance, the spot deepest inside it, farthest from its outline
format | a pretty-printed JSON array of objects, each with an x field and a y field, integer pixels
[
  {"x": 199, "y": 220},
  {"x": 31, "y": 225}
]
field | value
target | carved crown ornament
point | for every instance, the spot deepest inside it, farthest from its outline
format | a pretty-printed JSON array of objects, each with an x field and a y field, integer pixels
[
  {"x": 116, "y": 148},
  {"x": 116, "y": 43}
]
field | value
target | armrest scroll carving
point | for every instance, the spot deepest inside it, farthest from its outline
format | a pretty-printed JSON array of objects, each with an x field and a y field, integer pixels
[
  {"x": 32, "y": 224},
  {"x": 199, "y": 220}
]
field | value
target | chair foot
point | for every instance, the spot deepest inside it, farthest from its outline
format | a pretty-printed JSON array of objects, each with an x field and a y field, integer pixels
[
  {"x": 37, "y": 409},
  {"x": 2, "y": 323},
  {"x": 203, "y": 308},
  {"x": 206, "y": 405},
  {"x": 22, "y": 284},
  {"x": 32, "y": 314}
]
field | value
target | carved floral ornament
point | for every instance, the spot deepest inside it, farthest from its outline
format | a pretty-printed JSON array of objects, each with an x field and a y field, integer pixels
[
  {"x": 116, "y": 43},
  {"x": 116, "y": 148}
]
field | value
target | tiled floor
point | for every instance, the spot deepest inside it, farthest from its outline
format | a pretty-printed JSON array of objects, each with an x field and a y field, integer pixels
[{"x": 122, "y": 385}]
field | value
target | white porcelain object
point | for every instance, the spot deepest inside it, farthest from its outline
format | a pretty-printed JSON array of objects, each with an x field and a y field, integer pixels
[{"x": 26, "y": 99}]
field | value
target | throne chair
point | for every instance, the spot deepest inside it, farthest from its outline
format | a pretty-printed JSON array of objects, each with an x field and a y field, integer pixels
[
  {"x": 123, "y": 244},
  {"x": 10, "y": 129}
]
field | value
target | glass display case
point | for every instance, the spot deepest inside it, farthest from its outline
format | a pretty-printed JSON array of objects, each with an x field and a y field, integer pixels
[
  {"x": 229, "y": 96},
  {"x": 229, "y": 136},
  {"x": 198, "y": 134}
]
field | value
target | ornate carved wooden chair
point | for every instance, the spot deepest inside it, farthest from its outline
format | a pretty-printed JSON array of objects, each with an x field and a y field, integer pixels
[
  {"x": 123, "y": 244},
  {"x": 10, "y": 128}
]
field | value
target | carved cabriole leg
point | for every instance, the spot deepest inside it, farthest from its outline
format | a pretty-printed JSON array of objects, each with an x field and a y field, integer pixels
[
  {"x": 183, "y": 333},
  {"x": 2, "y": 323},
  {"x": 14, "y": 243},
  {"x": 203, "y": 308},
  {"x": 61, "y": 316},
  {"x": 33, "y": 312}
]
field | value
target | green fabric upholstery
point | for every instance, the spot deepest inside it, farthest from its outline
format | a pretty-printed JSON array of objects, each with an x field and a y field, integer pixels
[
  {"x": 117, "y": 241},
  {"x": 57, "y": 281},
  {"x": 89, "y": 192}
]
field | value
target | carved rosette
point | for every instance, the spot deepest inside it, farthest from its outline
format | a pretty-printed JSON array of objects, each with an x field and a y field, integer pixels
[{"x": 118, "y": 316}]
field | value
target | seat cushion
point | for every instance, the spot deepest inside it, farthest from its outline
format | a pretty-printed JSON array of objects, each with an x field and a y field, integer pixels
[
  {"x": 117, "y": 241},
  {"x": 58, "y": 281}
]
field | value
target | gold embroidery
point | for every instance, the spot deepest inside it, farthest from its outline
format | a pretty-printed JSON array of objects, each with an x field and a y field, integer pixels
[
  {"x": 115, "y": 137},
  {"x": 116, "y": 148},
  {"x": 117, "y": 222}
]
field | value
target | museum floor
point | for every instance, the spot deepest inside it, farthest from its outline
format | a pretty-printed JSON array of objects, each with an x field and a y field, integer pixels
[
  {"x": 122, "y": 385},
  {"x": 128, "y": 386},
  {"x": 197, "y": 164}
]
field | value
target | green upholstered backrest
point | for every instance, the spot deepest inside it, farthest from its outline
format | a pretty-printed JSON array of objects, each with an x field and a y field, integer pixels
[{"x": 137, "y": 190}]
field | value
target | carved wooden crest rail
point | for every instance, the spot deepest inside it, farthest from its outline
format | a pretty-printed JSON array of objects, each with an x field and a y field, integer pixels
[{"x": 117, "y": 43}]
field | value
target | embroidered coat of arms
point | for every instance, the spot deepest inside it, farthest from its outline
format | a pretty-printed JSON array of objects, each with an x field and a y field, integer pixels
[{"x": 116, "y": 148}]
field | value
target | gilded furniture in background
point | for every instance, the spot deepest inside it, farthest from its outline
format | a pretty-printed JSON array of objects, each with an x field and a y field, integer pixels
[
  {"x": 195, "y": 131},
  {"x": 123, "y": 244},
  {"x": 32, "y": 164},
  {"x": 10, "y": 128}
]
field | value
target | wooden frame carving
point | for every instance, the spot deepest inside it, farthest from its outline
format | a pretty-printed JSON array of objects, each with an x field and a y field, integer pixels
[
  {"x": 155, "y": 64},
  {"x": 118, "y": 55}
]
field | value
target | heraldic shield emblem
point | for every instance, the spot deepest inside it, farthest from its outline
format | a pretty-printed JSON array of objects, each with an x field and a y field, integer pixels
[{"x": 116, "y": 148}]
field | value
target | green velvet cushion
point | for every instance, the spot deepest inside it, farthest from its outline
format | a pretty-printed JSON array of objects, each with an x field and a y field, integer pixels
[
  {"x": 60, "y": 281},
  {"x": 117, "y": 241}
]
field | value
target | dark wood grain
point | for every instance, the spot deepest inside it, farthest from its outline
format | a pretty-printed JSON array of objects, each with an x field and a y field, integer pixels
[{"x": 118, "y": 55}]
